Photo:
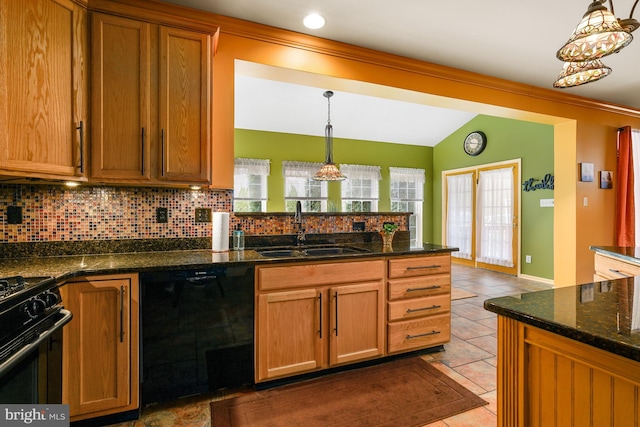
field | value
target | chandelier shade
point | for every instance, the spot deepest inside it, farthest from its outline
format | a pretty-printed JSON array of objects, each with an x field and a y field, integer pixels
[
  {"x": 597, "y": 35},
  {"x": 329, "y": 171},
  {"x": 579, "y": 73}
]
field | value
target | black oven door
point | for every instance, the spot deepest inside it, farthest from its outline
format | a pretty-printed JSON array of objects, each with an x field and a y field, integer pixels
[{"x": 37, "y": 376}]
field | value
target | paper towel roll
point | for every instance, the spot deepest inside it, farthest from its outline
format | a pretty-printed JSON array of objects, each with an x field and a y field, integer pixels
[{"x": 220, "y": 232}]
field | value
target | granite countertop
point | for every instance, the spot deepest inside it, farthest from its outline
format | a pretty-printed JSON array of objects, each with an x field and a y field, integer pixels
[
  {"x": 69, "y": 266},
  {"x": 598, "y": 314},
  {"x": 629, "y": 254}
]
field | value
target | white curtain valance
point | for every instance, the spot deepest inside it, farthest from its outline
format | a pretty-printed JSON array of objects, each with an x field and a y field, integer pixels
[
  {"x": 408, "y": 174},
  {"x": 252, "y": 166},
  {"x": 300, "y": 169},
  {"x": 361, "y": 172}
]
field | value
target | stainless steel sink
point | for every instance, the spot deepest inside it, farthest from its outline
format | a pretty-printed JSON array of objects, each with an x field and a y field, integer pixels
[
  {"x": 332, "y": 251},
  {"x": 279, "y": 253},
  {"x": 308, "y": 251}
]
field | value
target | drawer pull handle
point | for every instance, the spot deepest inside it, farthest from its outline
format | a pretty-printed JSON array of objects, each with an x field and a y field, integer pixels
[
  {"x": 410, "y": 337},
  {"x": 413, "y": 310},
  {"x": 422, "y": 267},
  {"x": 618, "y": 272},
  {"x": 428, "y": 288}
]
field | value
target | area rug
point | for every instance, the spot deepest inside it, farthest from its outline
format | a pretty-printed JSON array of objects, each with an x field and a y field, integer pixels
[
  {"x": 457, "y": 293},
  {"x": 405, "y": 392}
]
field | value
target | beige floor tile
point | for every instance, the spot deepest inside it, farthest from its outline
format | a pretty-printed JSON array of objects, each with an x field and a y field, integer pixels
[{"x": 481, "y": 373}]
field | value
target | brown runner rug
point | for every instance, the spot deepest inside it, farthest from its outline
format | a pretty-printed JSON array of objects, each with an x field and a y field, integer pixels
[{"x": 401, "y": 393}]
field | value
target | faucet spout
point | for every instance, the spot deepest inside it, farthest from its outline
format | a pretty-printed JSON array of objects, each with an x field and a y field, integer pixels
[
  {"x": 298, "y": 216},
  {"x": 300, "y": 237}
]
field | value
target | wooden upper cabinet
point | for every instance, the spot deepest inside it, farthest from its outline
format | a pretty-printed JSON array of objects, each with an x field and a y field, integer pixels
[
  {"x": 42, "y": 88},
  {"x": 185, "y": 99},
  {"x": 121, "y": 92},
  {"x": 151, "y": 90}
]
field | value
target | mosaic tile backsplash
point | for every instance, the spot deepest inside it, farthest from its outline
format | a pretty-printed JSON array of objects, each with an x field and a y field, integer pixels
[
  {"x": 54, "y": 213},
  {"x": 57, "y": 213}
]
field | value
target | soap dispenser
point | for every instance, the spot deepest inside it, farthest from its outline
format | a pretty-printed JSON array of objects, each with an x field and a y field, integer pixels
[{"x": 238, "y": 239}]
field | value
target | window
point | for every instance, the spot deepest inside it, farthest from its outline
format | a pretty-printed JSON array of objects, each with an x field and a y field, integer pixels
[
  {"x": 407, "y": 195},
  {"x": 360, "y": 192},
  {"x": 250, "y": 185},
  {"x": 300, "y": 186}
]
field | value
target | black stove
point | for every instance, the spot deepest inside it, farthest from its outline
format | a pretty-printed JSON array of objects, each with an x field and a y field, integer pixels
[{"x": 30, "y": 311}]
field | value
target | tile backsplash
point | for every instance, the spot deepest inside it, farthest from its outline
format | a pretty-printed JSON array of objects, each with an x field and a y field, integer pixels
[{"x": 54, "y": 213}]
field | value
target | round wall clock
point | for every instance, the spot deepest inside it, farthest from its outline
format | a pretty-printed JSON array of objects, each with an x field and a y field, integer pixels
[{"x": 475, "y": 143}]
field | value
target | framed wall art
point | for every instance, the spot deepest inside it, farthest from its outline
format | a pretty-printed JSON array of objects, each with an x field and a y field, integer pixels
[
  {"x": 606, "y": 179},
  {"x": 586, "y": 172}
]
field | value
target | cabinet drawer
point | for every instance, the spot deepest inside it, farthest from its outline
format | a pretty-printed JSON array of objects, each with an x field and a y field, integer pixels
[
  {"x": 420, "y": 286},
  {"x": 419, "y": 333},
  {"x": 419, "y": 266},
  {"x": 610, "y": 268},
  {"x": 302, "y": 275},
  {"x": 419, "y": 307}
]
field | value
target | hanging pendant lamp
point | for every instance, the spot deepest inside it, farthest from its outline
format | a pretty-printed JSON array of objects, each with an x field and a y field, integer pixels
[
  {"x": 329, "y": 171},
  {"x": 579, "y": 73},
  {"x": 597, "y": 35}
]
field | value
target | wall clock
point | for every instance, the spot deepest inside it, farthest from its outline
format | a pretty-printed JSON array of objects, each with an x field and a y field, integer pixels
[{"x": 475, "y": 143}]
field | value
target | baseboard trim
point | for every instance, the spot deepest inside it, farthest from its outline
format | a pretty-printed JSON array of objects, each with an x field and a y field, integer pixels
[{"x": 536, "y": 279}]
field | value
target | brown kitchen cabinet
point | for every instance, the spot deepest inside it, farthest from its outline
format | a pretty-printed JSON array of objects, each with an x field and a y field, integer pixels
[
  {"x": 610, "y": 268},
  {"x": 314, "y": 316},
  {"x": 100, "y": 346},
  {"x": 151, "y": 91},
  {"x": 419, "y": 306},
  {"x": 43, "y": 88}
]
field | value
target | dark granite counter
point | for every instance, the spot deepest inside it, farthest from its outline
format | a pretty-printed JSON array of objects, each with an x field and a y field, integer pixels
[
  {"x": 599, "y": 314},
  {"x": 628, "y": 254},
  {"x": 68, "y": 266}
]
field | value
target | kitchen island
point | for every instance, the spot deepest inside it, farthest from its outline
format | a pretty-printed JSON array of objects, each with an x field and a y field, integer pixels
[{"x": 569, "y": 355}]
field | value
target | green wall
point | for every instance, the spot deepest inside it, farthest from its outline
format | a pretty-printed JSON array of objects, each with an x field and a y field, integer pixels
[
  {"x": 304, "y": 148},
  {"x": 507, "y": 139}
]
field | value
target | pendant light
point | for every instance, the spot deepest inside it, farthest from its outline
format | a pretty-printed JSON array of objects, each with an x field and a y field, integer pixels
[
  {"x": 329, "y": 171},
  {"x": 579, "y": 73},
  {"x": 598, "y": 34}
]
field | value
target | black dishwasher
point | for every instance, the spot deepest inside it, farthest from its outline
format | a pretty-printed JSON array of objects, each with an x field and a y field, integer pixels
[{"x": 197, "y": 331}]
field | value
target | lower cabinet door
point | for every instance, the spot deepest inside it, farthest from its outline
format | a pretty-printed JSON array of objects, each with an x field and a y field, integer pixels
[
  {"x": 100, "y": 346},
  {"x": 357, "y": 322},
  {"x": 290, "y": 333}
]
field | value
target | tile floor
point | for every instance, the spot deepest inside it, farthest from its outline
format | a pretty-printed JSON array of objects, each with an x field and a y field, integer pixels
[{"x": 470, "y": 357}]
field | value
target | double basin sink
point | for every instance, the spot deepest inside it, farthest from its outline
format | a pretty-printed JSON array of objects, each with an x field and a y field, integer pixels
[{"x": 302, "y": 251}]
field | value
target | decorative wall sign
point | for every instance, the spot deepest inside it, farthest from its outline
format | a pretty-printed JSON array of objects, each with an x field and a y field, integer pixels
[
  {"x": 606, "y": 179},
  {"x": 586, "y": 172},
  {"x": 533, "y": 184}
]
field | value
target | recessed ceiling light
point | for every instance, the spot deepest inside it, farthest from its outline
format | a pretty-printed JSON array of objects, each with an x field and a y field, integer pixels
[{"x": 313, "y": 21}]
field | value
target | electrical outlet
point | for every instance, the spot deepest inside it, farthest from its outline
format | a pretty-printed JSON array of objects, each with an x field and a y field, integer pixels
[
  {"x": 203, "y": 214},
  {"x": 162, "y": 215},
  {"x": 14, "y": 215},
  {"x": 527, "y": 259}
]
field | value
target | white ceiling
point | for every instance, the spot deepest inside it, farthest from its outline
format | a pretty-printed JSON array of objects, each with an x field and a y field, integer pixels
[{"x": 491, "y": 38}]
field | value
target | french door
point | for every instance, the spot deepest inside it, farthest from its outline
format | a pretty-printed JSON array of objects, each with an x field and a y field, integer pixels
[{"x": 481, "y": 210}]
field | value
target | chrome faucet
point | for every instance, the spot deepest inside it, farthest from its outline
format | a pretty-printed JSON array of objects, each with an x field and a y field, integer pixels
[{"x": 300, "y": 237}]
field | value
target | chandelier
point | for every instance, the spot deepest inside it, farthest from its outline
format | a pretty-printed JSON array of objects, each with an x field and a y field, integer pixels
[{"x": 598, "y": 34}]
